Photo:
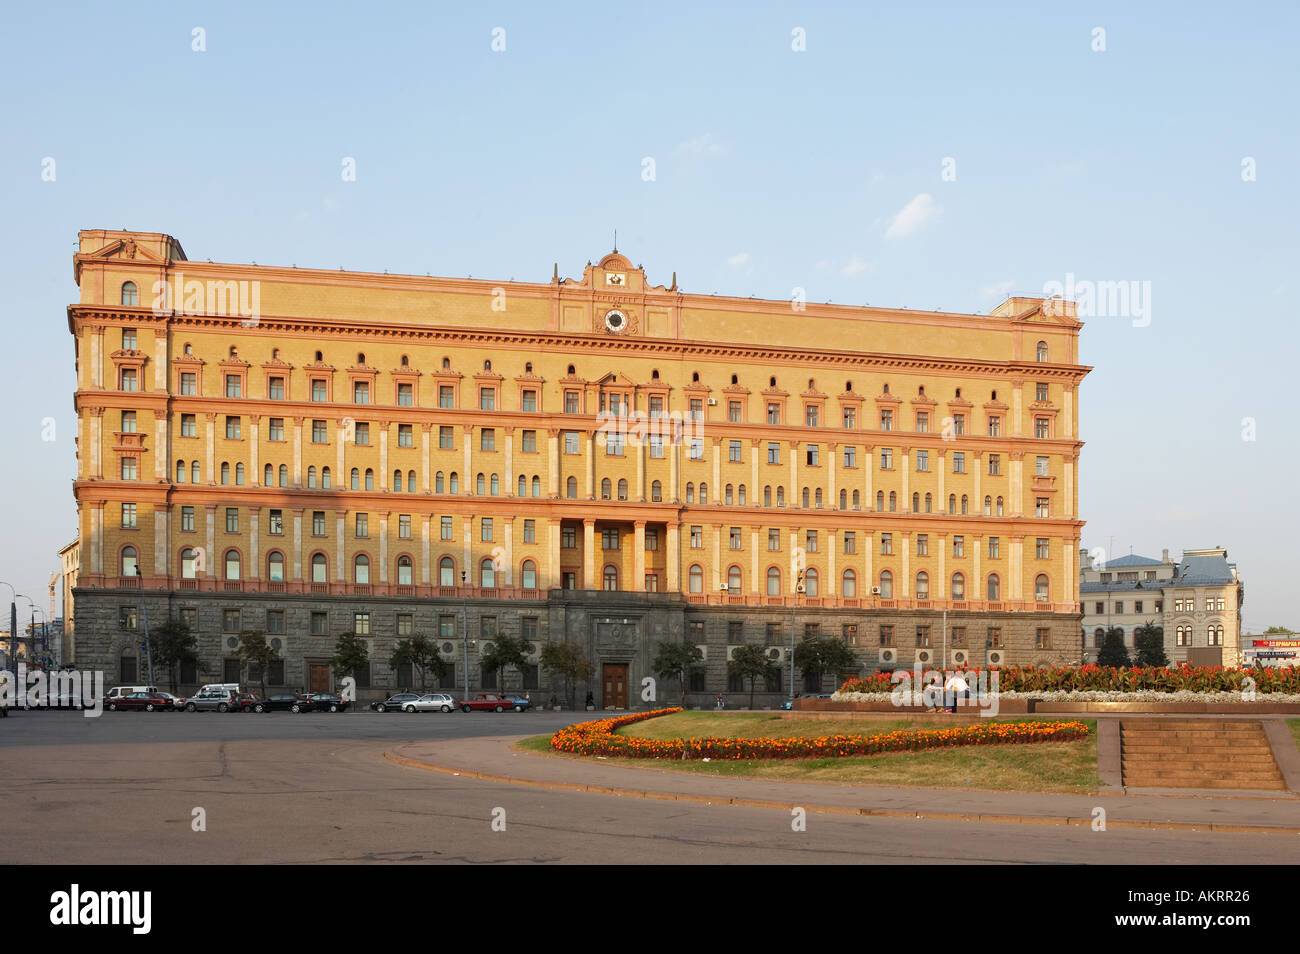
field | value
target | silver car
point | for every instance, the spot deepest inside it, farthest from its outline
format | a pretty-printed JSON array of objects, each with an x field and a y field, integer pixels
[
  {"x": 220, "y": 700},
  {"x": 431, "y": 702}
]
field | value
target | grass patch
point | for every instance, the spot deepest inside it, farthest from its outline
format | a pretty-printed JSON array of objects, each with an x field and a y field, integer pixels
[
  {"x": 1295, "y": 729},
  {"x": 750, "y": 725},
  {"x": 534, "y": 743}
]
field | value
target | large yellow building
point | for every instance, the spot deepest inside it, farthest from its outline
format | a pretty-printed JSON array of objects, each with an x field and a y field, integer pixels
[{"x": 598, "y": 460}]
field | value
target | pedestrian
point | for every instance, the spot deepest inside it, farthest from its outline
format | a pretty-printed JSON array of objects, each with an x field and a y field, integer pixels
[
  {"x": 719, "y": 704},
  {"x": 955, "y": 685}
]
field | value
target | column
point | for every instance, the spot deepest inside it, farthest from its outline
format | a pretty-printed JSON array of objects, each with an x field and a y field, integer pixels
[
  {"x": 340, "y": 463},
  {"x": 832, "y": 585},
  {"x": 640, "y": 476},
  {"x": 941, "y": 589},
  {"x": 905, "y": 466},
  {"x": 340, "y": 520},
  {"x": 162, "y": 451},
  {"x": 1067, "y": 412},
  {"x": 674, "y": 557},
  {"x": 160, "y": 361},
  {"x": 753, "y": 559},
  {"x": 755, "y": 489},
  {"x": 717, "y": 470},
  {"x": 638, "y": 556},
  {"x": 424, "y": 534},
  {"x": 553, "y": 470},
  {"x": 211, "y": 442},
  {"x": 943, "y": 466},
  {"x": 978, "y": 503},
  {"x": 1016, "y": 569},
  {"x": 161, "y": 522},
  {"x": 95, "y": 425},
  {"x": 467, "y": 529},
  {"x": 1017, "y": 501},
  {"x": 254, "y": 476},
  {"x": 906, "y": 573},
  {"x": 794, "y": 497},
  {"x": 424, "y": 470},
  {"x": 96, "y": 357},
  {"x": 867, "y": 467},
  {"x": 589, "y": 552},
  {"x": 1016, "y": 429},
  {"x": 869, "y": 542},
  {"x": 830, "y": 464},
  {"x": 590, "y": 469},
  {"x": 467, "y": 477},
  {"x": 383, "y": 547},
  {"x": 674, "y": 469},
  {"x": 553, "y": 580},
  {"x": 979, "y": 589},
  {"x": 383, "y": 455},
  {"x": 254, "y": 526},
  {"x": 1067, "y": 485},
  {"x": 297, "y": 452},
  {"x": 510, "y": 462},
  {"x": 1065, "y": 587},
  {"x": 210, "y": 557},
  {"x": 297, "y": 546},
  {"x": 510, "y": 551},
  {"x": 716, "y": 574}
]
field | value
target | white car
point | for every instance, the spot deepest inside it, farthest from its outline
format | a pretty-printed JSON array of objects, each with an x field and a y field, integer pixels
[{"x": 431, "y": 702}]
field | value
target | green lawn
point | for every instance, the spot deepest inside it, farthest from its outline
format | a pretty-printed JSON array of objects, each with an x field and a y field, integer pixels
[
  {"x": 1041, "y": 767},
  {"x": 1295, "y": 729}
]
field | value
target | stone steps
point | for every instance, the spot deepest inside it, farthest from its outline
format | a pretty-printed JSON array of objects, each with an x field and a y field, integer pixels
[{"x": 1201, "y": 753}]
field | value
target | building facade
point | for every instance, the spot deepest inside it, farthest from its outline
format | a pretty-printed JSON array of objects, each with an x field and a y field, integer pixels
[
  {"x": 1196, "y": 599},
  {"x": 596, "y": 460}
]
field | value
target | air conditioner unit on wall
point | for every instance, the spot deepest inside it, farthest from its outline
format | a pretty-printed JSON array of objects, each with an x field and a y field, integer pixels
[
  {"x": 889, "y": 655},
  {"x": 959, "y": 656},
  {"x": 923, "y": 656},
  {"x": 875, "y": 591},
  {"x": 776, "y": 653},
  {"x": 704, "y": 653},
  {"x": 713, "y": 402},
  {"x": 731, "y": 652},
  {"x": 800, "y": 588},
  {"x": 995, "y": 657}
]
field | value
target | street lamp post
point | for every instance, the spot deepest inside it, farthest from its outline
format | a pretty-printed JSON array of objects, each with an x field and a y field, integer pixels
[
  {"x": 13, "y": 627},
  {"x": 793, "y": 607},
  {"x": 464, "y": 635}
]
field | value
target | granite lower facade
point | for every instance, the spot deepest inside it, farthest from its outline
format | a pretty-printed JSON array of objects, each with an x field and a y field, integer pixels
[{"x": 619, "y": 631}]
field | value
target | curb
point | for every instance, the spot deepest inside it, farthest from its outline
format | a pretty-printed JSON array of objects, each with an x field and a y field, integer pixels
[{"x": 838, "y": 809}]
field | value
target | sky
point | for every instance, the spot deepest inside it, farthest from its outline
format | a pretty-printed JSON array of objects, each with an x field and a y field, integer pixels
[{"x": 911, "y": 154}]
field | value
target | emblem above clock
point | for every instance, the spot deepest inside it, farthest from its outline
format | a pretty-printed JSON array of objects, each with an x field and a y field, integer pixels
[{"x": 614, "y": 299}]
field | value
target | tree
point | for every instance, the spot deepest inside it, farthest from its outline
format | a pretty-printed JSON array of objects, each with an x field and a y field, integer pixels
[
  {"x": 818, "y": 655},
  {"x": 750, "y": 662},
  {"x": 1113, "y": 652},
  {"x": 421, "y": 654},
  {"x": 254, "y": 650},
  {"x": 507, "y": 651},
  {"x": 674, "y": 661},
  {"x": 1278, "y": 631},
  {"x": 1149, "y": 641},
  {"x": 350, "y": 654},
  {"x": 172, "y": 644},
  {"x": 569, "y": 662}
]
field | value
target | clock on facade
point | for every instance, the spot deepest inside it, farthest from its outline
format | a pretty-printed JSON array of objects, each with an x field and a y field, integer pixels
[{"x": 615, "y": 321}]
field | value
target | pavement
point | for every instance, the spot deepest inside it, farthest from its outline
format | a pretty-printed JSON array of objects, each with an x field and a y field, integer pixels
[{"x": 493, "y": 759}]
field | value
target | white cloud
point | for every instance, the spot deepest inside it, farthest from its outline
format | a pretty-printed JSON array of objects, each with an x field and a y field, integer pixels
[
  {"x": 702, "y": 147},
  {"x": 738, "y": 259},
  {"x": 912, "y": 216},
  {"x": 856, "y": 267}
]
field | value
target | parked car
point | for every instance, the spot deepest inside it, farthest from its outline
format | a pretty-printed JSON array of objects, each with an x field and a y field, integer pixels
[
  {"x": 395, "y": 702},
  {"x": 220, "y": 700},
  {"x": 432, "y": 702},
  {"x": 521, "y": 702},
  {"x": 248, "y": 701},
  {"x": 119, "y": 692},
  {"x": 285, "y": 702},
  {"x": 143, "y": 701},
  {"x": 492, "y": 702},
  {"x": 328, "y": 702},
  {"x": 176, "y": 702}
]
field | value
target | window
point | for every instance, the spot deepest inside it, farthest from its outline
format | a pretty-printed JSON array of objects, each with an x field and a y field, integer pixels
[
  {"x": 605, "y": 488},
  {"x": 610, "y": 577},
  {"x": 886, "y": 636},
  {"x": 774, "y": 414},
  {"x": 128, "y": 516},
  {"x": 993, "y": 588},
  {"x": 813, "y": 455},
  {"x": 850, "y": 541},
  {"x": 995, "y": 425},
  {"x": 1042, "y": 427},
  {"x": 922, "y": 422},
  {"x": 733, "y": 412},
  {"x": 232, "y": 428},
  {"x": 528, "y": 575},
  {"x": 485, "y": 530},
  {"x": 734, "y": 579},
  {"x": 922, "y": 461},
  {"x": 232, "y": 564},
  {"x": 958, "y": 586},
  {"x": 697, "y": 538},
  {"x": 1041, "y": 351},
  {"x": 774, "y": 453},
  {"x": 487, "y": 439},
  {"x": 1040, "y": 589},
  {"x": 886, "y": 420},
  {"x": 446, "y": 572},
  {"x": 922, "y": 637},
  {"x": 959, "y": 546},
  {"x": 1042, "y": 638},
  {"x": 405, "y": 435},
  {"x": 850, "y": 585},
  {"x": 363, "y": 525},
  {"x": 886, "y": 585},
  {"x": 275, "y": 572},
  {"x": 994, "y": 548},
  {"x": 444, "y": 525},
  {"x": 959, "y": 424},
  {"x": 234, "y": 385},
  {"x": 130, "y": 296},
  {"x": 487, "y": 575},
  {"x": 886, "y": 458},
  {"x": 652, "y": 539},
  {"x": 696, "y": 578},
  {"x": 361, "y": 434},
  {"x": 187, "y": 519},
  {"x": 1041, "y": 548},
  {"x": 995, "y": 462},
  {"x": 319, "y": 570},
  {"x": 697, "y": 448},
  {"x": 810, "y": 415},
  {"x": 232, "y": 520},
  {"x": 850, "y": 418},
  {"x": 733, "y": 452},
  {"x": 922, "y": 544},
  {"x": 275, "y": 523},
  {"x": 773, "y": 581},
  {"x": 922, "y": 585},
  {"x": 230, "y": 621},
  {"x": 360, "y": 392},
  {"x": 571, "y": 442},
  {"x": 773, "y": 539},
  {"x": 810, "y": 540},
  {"x": 487, "y": 399},
  {"x": 361, "y": 624},
  {"x": 446, "y": 396},
  {"x": 850, "y": 457},
  {"x": 995, "y": 637},
  {"x": 886, "y": 544},
  {"x": 189, "y": 383}
]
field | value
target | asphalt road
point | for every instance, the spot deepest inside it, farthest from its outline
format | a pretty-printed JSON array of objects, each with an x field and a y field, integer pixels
[{"x": 315, "y": 788}]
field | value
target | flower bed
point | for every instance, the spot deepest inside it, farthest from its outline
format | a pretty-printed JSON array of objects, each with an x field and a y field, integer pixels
[
  {"x": 599, "y": 738},
  {"x": 1083, "y": 683}
]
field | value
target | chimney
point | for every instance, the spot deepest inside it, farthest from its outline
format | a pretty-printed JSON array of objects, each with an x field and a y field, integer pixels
[{"x": 1164, "y": 556}]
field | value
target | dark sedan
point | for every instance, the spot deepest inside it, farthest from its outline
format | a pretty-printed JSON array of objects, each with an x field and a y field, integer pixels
[
  {"x": 395, "y": 703},
  {"x": 328, "y": 702},
  {"x": 285, "y": 702},
  {"x": 143, "y": 701}
]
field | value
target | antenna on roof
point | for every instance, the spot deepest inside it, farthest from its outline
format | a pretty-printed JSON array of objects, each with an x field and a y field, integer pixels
[{"x": 616, "y": 240}]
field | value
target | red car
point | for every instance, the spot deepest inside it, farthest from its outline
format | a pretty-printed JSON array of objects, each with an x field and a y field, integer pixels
[
  {"x": 146, "y": 701},
  {"x": 490, "y": 702}
]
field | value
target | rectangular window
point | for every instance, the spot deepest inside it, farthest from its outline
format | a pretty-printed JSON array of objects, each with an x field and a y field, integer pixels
[
  {"x": 128, "y": 516},
  {"x": 810, "y": 415},
  {"x": 405, "y": 624},
  {"x": 697, "y": 448},
  {"x": 958, "y": 546},
  {"x": 886, "y": 544},
  {"x": 656, "y": 445},
  {"x": 922, "y": 637},
  {"x": 922, "y": 544},
  {"x": 1041, "y": 549},
  {"x": 187, "y": 519},
  {"x": 232, "y": 520},
  {"x": 571, "y": 442},
  {"x": 275, "y": 429},
  {"x": 275, "y": 523},
  {"x": 528, "y": 442},
  {"x": 774, "y": 414},
  {"x": 189, "y": 383},
  {"x": 487, "y": 399},
  {"x": 922, "y": 422},
  {"x": 886, "y": 458},
  {"x": 772, "y": 634},
  {"x": 995, "y": 425},
  {"x": 360, "y": 392},
  {"x": 652, "y": 539},
  {"x": 569, "y": 538},
  {"x": 609, "y": 539},
  {"x": 530, "y": 531},
  {"x": 812, "y": 456},
  {"x": 695, "y": 632},
  {"x": 1043, "y": 638},
  {"x": 361, "y": 433},
  {"x": 318, "y": 390},
  {"x": 487, "y": 439},
  {"x": 275, "y": 622},
  {"x": 656, "y": 406},
  {"x": 444, "y": 526},
  {"x": 850, "y": 541},
  {"x": 446, "y": 438},
  {"x": 1041, "y": 467},
  {"x": 233, "y": 386},
  {"x": 850, "y": 418},
  {"x": 995, "y": 462},
  {"x": 922, "y": 461},
  {"x": 319, "y": 623},
  {"x": 995, "y": 637},
  {"x": 958, "y": 462},
  {"x": 696, "y": 409},
  {"x": 128, "y": 422},
  {"x": 733, "y": 452},
  {"x": 404, "y": 526},
  {"x": 1137, "y": 607},
  {"x": 405, "y": 395},
  {"x": 614, "y": 445},
  {"x": 529, "y": 401},
  {"x": 1042, "y": 507},
  {"x": 485, "y": 530},
  {"x": 405, "y": 435},
  {"x": 318, "y": 523},
  {"x": 735, "y": 632},
  {"x": 958, "y": 424},
  {"x": 734, "y": 538},
  {"x": 189, "y": 426},
  {"x": 570, "y": 402},
  {"x": 810, "y": 541},
  {"x": 994, "y": 548},
  {"x": 850, "y": 456},
  {"x": 886, "y": 636},
  {"x": 363, "y": 525},
  {"x": 958, "y": 637},
  {"x": 319, "y": 434},
  {"x": 774, "y": 453},
  {"x": 232, "y": 428},
  {"x": 361, "y": 624},
  {"x": 773, "y": 539},
  {"x": 886, "y": 420},
  {"x": 128, "y": 468},
  {"x": 733, "y": 412},
  {"x": 697, "y": 538},
  {"x": 230, "y": 621},
  {"x": 1041, "y": 427},
  {"x": 446, "y": 396}
]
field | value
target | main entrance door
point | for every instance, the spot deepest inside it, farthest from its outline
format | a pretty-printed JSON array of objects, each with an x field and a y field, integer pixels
[
  {"x": 615, "y": 678},
  {"x": 318, "y": 677}
]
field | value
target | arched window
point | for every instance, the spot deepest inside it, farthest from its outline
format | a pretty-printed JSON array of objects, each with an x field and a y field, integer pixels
[
  {"x": 704, "y": 492},
  {"x": 194, "y": 472},
  {"x": 622, "y": 489},
  {"x": 571, "y": 488},
  {"x": 311, "y": 477},
  {"x": 268, "y": 476},
  {"x": 446, "y": 364},
  {"x": 1041, "y": 351},
  {"x": 988, "y": 506},
  {"x": 958, "y": 586},
  {"x": 728, "y": 495},
  {"x": 130, "y": 294},
  {"x": 697, "y": 578},
  {"x": 239, "y": 474},
  {"x": 320, "y": 570},
  {"x": 480, "y": 485},
  {"x": 232, "y": 564},
  {"x": 275, "y": 566},
  {"x": 780, "y": 496},
  {"x": 690, "y": 493},
  {"x": 999, "y": 506},
  {"x": 453, "y": 483},
  {"x": 850, "y": 584},
  {"x": 916, "y": 503},
  {"x": 611, "y": 577},
  {"x": 1040, "y": 588},
  {"x": 880, "y": 500},
  {"x": 487, "y": 573},
  {"x": 740, "y": 496},
  {"x": 893, "y": 502},
  {"x": 605, "y": 488},
  {"x": 773, "y": 581},
  {"x": 189, "y": 565},
  {"x": 812, "y": 582},
  {"x": 356, "y": 479},
  {"x": 410, "y": 481},
  {"x": 446, "y": 572},
  {"x": 817, "y": 498},
  {"x": 886, "y": 585},
  {"x": 537, "y": 486},
  {"x": 993, "y": 588},
  {"x": 284, "y": 475},
  {"x": 804, "y": 498},
  {"x": 952, "y": 503},
  {"x": 437, "y": 483},
  {"x": 130, "y": 564},
  {"x": 1099, "y": 636},
  {"x": 767, "y": 496},
  {"x": 361, "y": 569},
  {"x": 370, "y": 479},
  {"x": 963, "y": 504},
  {"x": 494, "y": 485},
  {"x": 923, "y": 585},
  {"x": 405, "y": 575},
  {"x": 734, "y": 579},
  {"x": 180, "y": 472},
  {"x": 656, "y": 491},
  {"x": 929, "y": 500},
  {"x": 528, "y": 574},
  {"x": 397, "y": 481},
  {"x": 225, "y": 473},
  {"x": 844, "y": 500},
  {"x": 523, "y": 485},
  {"x": 325, "y": 478}
]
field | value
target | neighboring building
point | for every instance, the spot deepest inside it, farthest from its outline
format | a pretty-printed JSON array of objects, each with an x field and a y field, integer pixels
[
  {"x": 1196, "y": 599},
  {"x": 70, "y": 561},
  {"x": 598, "y": 460},
  {"x": 1271, "y": 649}
]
